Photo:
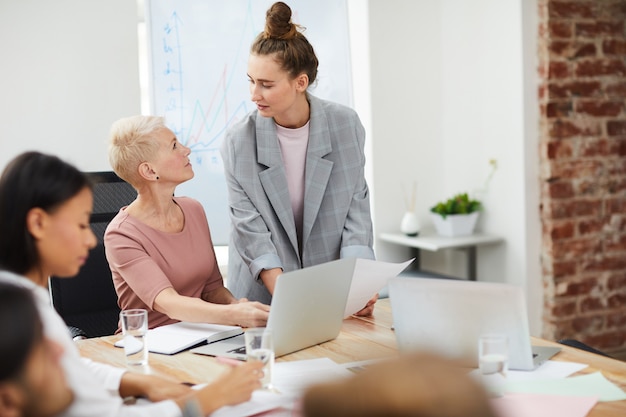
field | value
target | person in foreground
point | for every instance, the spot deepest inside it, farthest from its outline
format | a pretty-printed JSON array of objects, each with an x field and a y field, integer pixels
[
  {"x": 419, "y": 384},
  {"x": 32, "y": 383},
  {"x": 294, "y": 169},
  {"x": 45, "y": 205},
  {"x": 159, "y": 247}
]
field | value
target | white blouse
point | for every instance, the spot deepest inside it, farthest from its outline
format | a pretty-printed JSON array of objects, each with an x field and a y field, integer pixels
[{"x": 95, "y": 385}]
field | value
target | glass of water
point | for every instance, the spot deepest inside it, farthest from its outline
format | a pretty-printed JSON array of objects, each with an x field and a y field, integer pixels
[
  {"x": 134, "y": 329},
  {"x": 260, "y": 347},
  {"x": 493, "y": 354}
]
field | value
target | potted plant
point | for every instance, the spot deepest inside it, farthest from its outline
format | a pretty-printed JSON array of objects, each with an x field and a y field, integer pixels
[{"x": 456, "y": 216}]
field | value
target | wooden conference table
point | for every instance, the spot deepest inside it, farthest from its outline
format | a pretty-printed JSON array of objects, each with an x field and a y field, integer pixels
[{"x": 360, "y": 339}]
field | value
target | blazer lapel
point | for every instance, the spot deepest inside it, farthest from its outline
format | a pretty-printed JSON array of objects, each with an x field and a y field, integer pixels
[
  {"x": 273, "y": 179},
  {"x": 318, "y": 169}
]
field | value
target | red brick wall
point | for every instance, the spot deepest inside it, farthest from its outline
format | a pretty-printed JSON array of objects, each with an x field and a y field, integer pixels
[{"x": 582, "y": 55}]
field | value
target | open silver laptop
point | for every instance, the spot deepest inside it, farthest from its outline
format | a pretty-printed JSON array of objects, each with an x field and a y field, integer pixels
[
  {"x": 307, "y": 309},
  {"x": 448, "y": 316}
]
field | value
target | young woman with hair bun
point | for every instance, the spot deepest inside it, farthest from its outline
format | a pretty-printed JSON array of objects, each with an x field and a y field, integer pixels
[{"x": 294, "y": 168}]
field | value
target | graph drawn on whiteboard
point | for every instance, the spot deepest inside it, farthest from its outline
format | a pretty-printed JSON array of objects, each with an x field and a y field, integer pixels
[{"x": 198, "y": 57}]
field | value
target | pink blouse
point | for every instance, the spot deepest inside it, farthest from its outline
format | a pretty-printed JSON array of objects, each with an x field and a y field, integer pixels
[{"x": 145, "y": 261}]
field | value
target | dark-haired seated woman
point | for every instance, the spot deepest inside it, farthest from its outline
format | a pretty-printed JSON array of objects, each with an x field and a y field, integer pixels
[{"x": 45, "y": 205}]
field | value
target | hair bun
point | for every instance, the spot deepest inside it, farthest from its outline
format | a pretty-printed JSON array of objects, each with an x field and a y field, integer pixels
[{"x": 278, "y": 23}]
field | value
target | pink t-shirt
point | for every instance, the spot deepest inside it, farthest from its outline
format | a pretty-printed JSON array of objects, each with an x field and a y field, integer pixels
[{"x": 145, "y": 261}]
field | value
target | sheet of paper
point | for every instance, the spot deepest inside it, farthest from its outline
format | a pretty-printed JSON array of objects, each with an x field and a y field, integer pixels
[
  {"x": 548, "y": 370},
  {"x": 293, "y": 377},
  {"x": 594, "y": 384},
  {"x": 540, "y": 405},
  {"x": 370, "y": 277},
  {"x": 290, "y": 379},
  {"x": 358, "y": 366},
  {"x": 262, "y": 401}
]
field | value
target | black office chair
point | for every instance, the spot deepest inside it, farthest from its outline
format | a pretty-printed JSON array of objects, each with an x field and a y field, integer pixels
[{"x": 88, "y": 302}]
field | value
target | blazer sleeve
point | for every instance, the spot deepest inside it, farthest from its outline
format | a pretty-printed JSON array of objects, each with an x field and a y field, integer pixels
[
  {"x": 249, "y": 233},
  {"x": 357, "y": 237}
]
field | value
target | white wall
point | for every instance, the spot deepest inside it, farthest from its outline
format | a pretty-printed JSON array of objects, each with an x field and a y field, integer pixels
[
  {"x": 483, "y": 119},
  {"x": 448, "y": 94},
  {"x": 534, "y": 283},
  {"x": 406, "y": 86},
  {"x": 70, "y": 69}
]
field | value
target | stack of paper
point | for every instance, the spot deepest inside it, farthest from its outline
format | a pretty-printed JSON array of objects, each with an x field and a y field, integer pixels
[
  {"x": 290, "y": 380},
  {"x": 550, "y": 391}
]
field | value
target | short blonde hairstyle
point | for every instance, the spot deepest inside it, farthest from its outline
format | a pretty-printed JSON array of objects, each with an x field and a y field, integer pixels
[{"x": 131, "y": 142}]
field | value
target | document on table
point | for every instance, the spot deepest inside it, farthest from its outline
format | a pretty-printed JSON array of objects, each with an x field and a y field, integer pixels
[
  {"x": 368, "y": 278},
  {"x": 261, "y": 401},
  {"x": 294, "y": 377},
  {"x": 541, "y": 405},
  {"x": 290, "y": 380},
  {"x": 590, "y": 385},
  {"x": 548, "y": 370}
]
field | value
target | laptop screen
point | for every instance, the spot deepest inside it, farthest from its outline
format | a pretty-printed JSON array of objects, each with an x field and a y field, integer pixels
[{"x": 448, "y": 317}]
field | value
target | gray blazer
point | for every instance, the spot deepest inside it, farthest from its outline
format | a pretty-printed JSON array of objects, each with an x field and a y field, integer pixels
[{"x": 337, "y": 221}]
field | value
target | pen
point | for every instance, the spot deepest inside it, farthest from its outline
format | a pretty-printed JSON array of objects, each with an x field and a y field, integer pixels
[{"x": 228, "y": 361}]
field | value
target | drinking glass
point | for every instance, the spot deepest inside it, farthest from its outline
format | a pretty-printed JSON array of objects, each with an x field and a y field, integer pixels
[
  {"x": 493, "y": 354},
  {"x": 134, "y": 329},
  {"x": 260, "y": 347}
]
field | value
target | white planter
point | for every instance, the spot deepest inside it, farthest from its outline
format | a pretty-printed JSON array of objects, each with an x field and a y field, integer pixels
[{"x": 455, "y": 224}]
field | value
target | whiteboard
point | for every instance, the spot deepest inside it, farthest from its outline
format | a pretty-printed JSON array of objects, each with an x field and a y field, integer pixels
[{"x": 198, "y": 59}]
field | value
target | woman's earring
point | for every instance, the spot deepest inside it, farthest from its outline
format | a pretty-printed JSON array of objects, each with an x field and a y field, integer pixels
[{"x": 157, "y": 177}]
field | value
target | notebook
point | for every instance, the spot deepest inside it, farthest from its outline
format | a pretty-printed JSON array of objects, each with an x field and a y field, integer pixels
[
  {"x": 448, "y": 316},
  {"x": 307, "y": 309},
  {"x": 176, "y": 337}
]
